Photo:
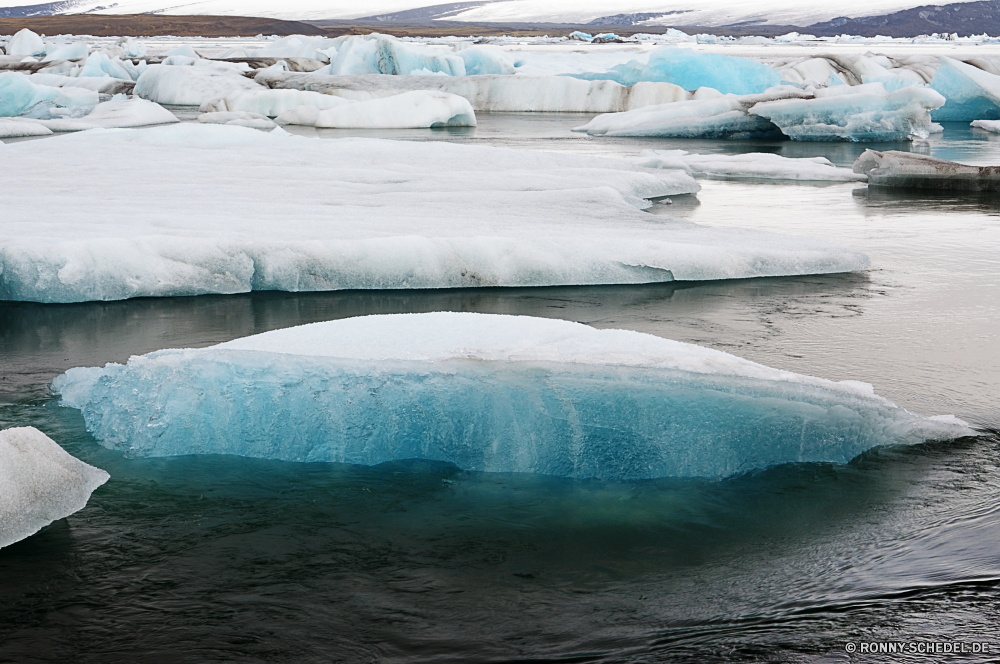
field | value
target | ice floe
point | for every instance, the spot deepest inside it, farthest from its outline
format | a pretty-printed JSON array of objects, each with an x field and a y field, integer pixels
[
  {"x": 190, "y": 86},
  {"x": 118, "y": 112},
  {"x": 559, "y": 94},
  {"x": 238, "y": 119},
  {"x": 992, "y": 126},
  {"x": 862, "y": 113},
  {"x": 487, "y": 393},
  {"x": 232, "y": 210},
  {"x": 751, "y": 165},
  {"x": 39, "y": 483},
  {"x": 416, "y": 109},
  {"x": 909, "y": 170}
]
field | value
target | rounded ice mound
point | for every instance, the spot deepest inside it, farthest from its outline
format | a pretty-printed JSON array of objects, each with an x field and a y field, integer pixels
[
  {"x": 487, "y": 393},
  {"x": 39, "y": 483}
]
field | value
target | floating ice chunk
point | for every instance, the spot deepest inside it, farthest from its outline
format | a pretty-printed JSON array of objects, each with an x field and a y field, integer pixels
[
  {"x": 119, "y": 112},
  {"x": 25, "y": 42},
  {"x": 20, "y": 129},
  {"x": 39, "y": 483},
  {"x": 355, "y": 56},
  {"x": 971, "y": 92},
  {"x": 184, "y": 51},
  {"x": 272, "y": 103},
  {"x": 721, "y": 117},
  {"x": 131, "y": 48},
  {"x": 905, "y": 169},
  {"x": 557, "y": 94},
  {"x": 232, "y": 210},
  {"x": 105, "y": 85},
  {"x": 480, "y": 60},
  {"x": 992, "y": 126},
  {"x": 74, "y": 51},
  {"x": 864, "y": 113},
  {"x": 190, "y": 86},
  {"x": 238, "y": 119},
  {"x": 692, "y": 70},
  {"x": 100, "y": 65},
  {"x": 19, "y": 96},
  {"x": 416, "y": 109},
  {"x": 753, "y": 165},
  {"x": 487, "y": 393}
]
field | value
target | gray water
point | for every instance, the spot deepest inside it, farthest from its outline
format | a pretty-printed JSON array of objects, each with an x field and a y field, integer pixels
[{"x": 211, "y": 558}]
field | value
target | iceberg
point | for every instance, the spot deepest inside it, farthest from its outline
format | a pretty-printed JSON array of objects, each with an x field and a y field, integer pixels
[
  {"x": 692, "y": 70},
  {"x": 491, "y": 393},
  {"x": 74, "y": 51},
  {"x": 19, "y": 96},
  {"x": 238, "y": 119},
  {"x": 851, "y": 113},
  {"x": 992, "y": 126},
  {"x": 105, "y": 85},
  {"x": 20, "y": 129},
  {"x": 272, "y": 103},
  {"x": 971, "y": 92},
  {"x": 750, "y": 165},
  {"x": 25, "y": 42},
  {"x": 917, "y": 171},
  {"x": 39, "y": 483},
  {"x": 190, "y": 86},
  {"x": 118, "y": 112},
  {"x": 486, "y": 60},
  {"x": 498, "y": 94},
  {"x": 99, "y": 65},
  {"x": 720, "y": 117},
  {"x": 862, "y": 113},
  {"x": 232, "y": 210},
  {"x": 409, "y": 110}
]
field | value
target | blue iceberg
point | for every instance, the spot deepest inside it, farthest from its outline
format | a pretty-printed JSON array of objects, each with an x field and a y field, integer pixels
[
  {"x": 972, "y": 94},
  {"x": 487, "y": 393},
  {"x": 692, "y": 70}
]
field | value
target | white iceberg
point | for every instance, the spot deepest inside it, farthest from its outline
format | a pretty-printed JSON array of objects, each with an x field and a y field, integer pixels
[
  {"x": 190, "y": 86},
  {"x": 536, "y": 94},
  {"x": 39, "y": 483},
  {"x": 232, "y": 210},
  {"x": 992, "y": 126},
  {"x": 21, "y": 128},
  {"x": 25, "y": 42},
  {"x": 272, "y": 103},
  {"x": 750, "y": 165},
  {"x": 105, "y": 85},
  {"x": 72, "y": 51},
  {"x": 409, "y": 110},
  {"x": 238, "y": 119},
  {"x": 487, "y": 393}
]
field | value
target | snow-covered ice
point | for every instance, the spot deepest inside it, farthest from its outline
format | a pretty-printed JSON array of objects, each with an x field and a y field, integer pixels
[
  {"x": 416, "y": 109},
  {"x": 272, "y": 103},
  {"x": 190, "y": 86},
  {"x": 232, "y": 210},
  {"x": 992, "y": 126},
  {"x": 238, "y": 119},
  {"x": 118, "y": 112},
  {"x": 917, "y": 171},
  {"x": 751, "y": 165},
  {"x": 487, "y": 393},
  {"x": 20, "y": 129},
  {"x": 553, "y": 94},
  {"x": 39, "y": 483}
]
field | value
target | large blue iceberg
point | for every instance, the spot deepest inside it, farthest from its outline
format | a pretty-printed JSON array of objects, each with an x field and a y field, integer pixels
[
  {"x": 487, "y": 393},
  {"x": 692, "y": 70}
]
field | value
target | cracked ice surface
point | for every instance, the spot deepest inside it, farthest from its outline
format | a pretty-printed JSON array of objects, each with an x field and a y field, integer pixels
[
  {"x": 488, "y": 393},
  {"x": 190, "y": 209}
]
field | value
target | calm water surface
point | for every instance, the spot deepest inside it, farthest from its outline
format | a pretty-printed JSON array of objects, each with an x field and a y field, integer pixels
[{"x": 211, "y": 558}]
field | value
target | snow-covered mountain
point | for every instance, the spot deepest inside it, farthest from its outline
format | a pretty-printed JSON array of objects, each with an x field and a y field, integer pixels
[{"x": 651, "y": 12}]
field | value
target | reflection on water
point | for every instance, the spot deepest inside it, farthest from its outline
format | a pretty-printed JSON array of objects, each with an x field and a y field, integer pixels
[{"x": 899, "y": 201}]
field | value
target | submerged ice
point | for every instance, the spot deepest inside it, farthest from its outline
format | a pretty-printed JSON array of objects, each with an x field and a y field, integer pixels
[
  {"x": 487, "y": 393},
  {"x": 39, "y": 483}
]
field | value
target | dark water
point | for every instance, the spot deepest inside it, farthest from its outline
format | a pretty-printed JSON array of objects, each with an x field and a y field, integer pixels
[{"x": 195, "y": 559}]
